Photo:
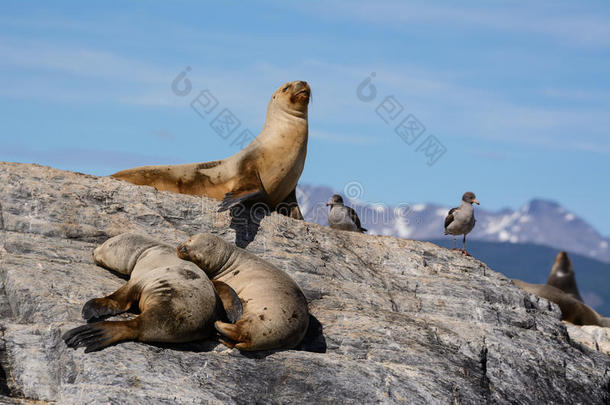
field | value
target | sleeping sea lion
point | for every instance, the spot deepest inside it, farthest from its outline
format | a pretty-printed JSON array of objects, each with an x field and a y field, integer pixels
[
  {"x": 275, "y": 314},
  {"x": 177, "y": 301}
]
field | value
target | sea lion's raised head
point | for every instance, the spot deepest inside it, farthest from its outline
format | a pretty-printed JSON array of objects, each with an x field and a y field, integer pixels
[
  {"x": 562, "y": 276},
  {"x": 292, "y": 97},
  {"x": 207, "y": 251},
  {"x": 563, "y": 265}
]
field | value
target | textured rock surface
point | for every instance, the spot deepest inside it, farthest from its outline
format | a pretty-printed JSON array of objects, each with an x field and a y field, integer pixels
[
  {"x": 594, "y": 337},
  {"x": 402, "y": 321}
]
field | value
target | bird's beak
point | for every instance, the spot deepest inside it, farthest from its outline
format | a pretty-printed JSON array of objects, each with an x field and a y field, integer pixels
[{"x": 476, "y": 202}]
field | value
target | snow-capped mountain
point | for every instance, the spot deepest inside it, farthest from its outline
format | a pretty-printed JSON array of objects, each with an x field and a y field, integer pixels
[{"x": 538, "y": 222}]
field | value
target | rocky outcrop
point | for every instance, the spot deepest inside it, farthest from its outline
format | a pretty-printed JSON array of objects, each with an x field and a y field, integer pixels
[{"x": 395, "y": 321}]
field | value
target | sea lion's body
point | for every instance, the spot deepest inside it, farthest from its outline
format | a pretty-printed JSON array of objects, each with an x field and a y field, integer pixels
[
  {"x": 275, "y": 314},
  {"x": 562, "y": 276},
  {"x": 267, "y": 170},
  {"x": 177, "y": 301},
  {"x": 572, "y": 310}
]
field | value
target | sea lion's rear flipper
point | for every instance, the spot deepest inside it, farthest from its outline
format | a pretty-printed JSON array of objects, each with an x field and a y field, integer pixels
[
  {"x": 230, "y": 301},
  {"x": 96, "y": 336},
  {"x": 232, "y": 334},
  {"x": 290, "y": 207}
]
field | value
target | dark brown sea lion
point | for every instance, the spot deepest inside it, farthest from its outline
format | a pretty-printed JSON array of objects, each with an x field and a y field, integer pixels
[
  {"x": 562, "y": 276},
  {"x": 572, "y": 310}
]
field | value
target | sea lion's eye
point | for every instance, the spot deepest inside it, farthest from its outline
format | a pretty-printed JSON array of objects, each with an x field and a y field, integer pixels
[{"x": 285, "y": 88}]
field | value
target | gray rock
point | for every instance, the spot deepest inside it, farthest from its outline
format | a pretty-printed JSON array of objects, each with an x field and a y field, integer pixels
[
  {"x": 401, "y": 321},
  {"x": 594, "y": 337}
]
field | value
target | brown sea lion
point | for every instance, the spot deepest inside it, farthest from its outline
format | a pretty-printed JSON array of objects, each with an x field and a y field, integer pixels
[
  {"x": 177, "y": 301},
  {"x": 562, "y": 276},
  {"x": 275, "y": 314},
  {"x": 572, "y": 310},
  {"x": 266, "y": 171}
]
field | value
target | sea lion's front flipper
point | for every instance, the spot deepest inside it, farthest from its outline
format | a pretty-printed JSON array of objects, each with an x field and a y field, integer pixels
[
  {"x": 239, "y": 198},
  {"x": 118, "y": 302},
  {"x": 230, "y": 301},
  {"x": 248, "y": 191}
]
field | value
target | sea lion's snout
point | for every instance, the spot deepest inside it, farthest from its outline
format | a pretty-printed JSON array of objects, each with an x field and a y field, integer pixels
[
  {"x": 562, "y": 261},
  {"x": 300, "y": 92},
  {"x": 301, "y": 87},
  {"x": 182, "y": 251}
]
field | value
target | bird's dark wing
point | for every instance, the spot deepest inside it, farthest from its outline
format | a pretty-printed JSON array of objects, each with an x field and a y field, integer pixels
[
  {"x": 449, "y": 218},
  {"x": 354, "y": 217}
]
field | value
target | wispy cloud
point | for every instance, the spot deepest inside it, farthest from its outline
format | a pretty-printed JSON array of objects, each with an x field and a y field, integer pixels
[
  {"x": 80, "y": 61},
  {"x": 106, "y": 161},
  {"x": 449, "y": 108},
  {"x": 51, "y": 70},
  {"x": 343, "y": 139},
  {"x": 556, "y": 20},
  {"x": 164, "y": 134},
  {"x": 576, "y": 95}
]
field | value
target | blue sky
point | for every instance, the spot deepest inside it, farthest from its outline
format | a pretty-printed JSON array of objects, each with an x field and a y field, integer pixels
[{"x": 518, "y": 93}]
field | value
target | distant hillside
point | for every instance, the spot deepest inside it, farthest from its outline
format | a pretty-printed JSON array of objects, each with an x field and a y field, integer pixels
[
  {"x": 539, "y": 222},
  {"x": 532, "y": 263}
]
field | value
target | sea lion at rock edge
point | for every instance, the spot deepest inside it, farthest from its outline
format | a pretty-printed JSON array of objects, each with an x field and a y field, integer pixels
[
  {"x": 572, "y": 310},
  {"x": 562, "y": 276},
  {"x": 177, "y": 301},
  {"x": 266, "y": 171},
  {"x": 275, "y": 314}
]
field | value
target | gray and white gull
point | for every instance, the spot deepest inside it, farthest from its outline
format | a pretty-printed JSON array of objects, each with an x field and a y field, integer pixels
[
  {"x": 460, "y": 220},
  {"x": 343, "y": 217}
]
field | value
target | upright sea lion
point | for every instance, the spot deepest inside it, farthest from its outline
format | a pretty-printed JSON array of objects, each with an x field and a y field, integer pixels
[
  {"x": 265, "y": 171},
  {"x": 275, "y": 314},
  {"x": 178, "y": 302},
  {"x": 572, "y": 310},
  {"x": 562, "y": 276}
]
